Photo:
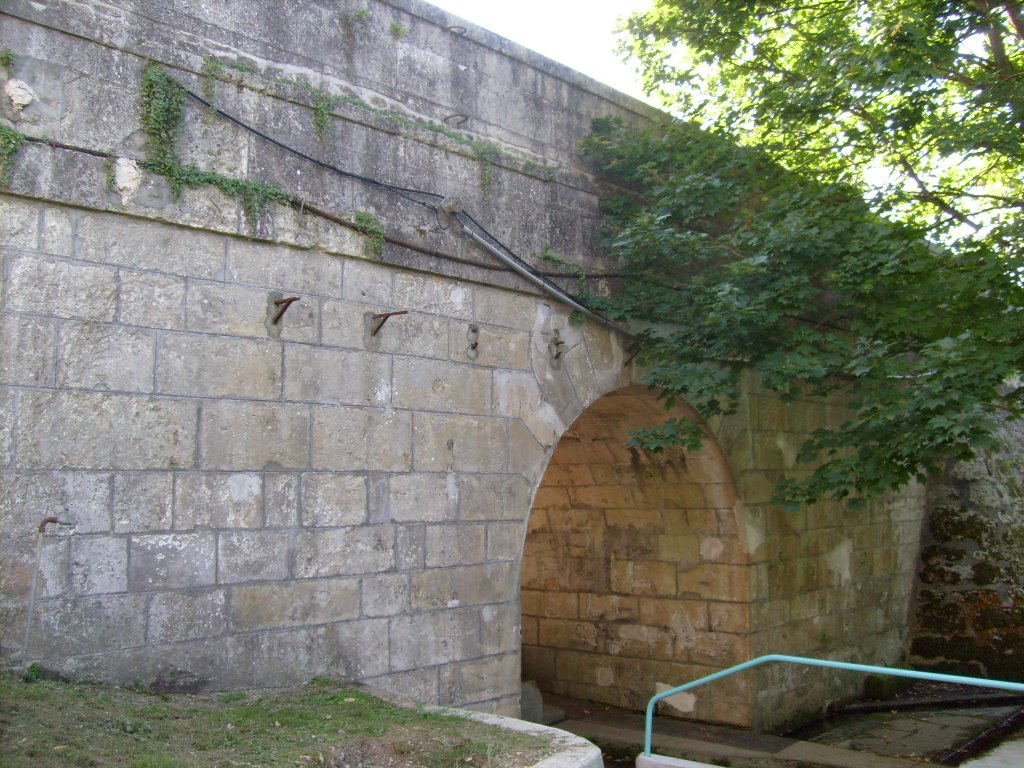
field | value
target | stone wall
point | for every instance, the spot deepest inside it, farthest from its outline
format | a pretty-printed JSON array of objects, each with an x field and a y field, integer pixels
[
  {"x": 258, "y": 502},
  {"x": 969, "y": 609}
]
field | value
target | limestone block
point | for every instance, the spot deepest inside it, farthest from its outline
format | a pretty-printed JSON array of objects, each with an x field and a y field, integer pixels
[
  {"x": 98, "y": 356},
  {"x": 99, "y": 564},
  {"x": 216, "y": 366},
  {"x": 168, "y": 561},
  {"x": 385, "y": 594},
  {"x": 218, "y": 501},
  {"x": 428, "y": 639},
  {"x": 105, "y": 431},
  {"x": 58, "y": 232},
  {"x": 18, "y": 561},
  {"x": 643, "y": 577},
  {"x": 152, "y": 301},
  {"x": 90, "y": 624},
  {"x": 511, "y": 310},
  {"x": 410, "y": 547},
  {"x": 179, "y": 616},
  {"x": 517, "y": 395},
  {"x": 6, "y": 426},
  {"x": 281, "y": 506},
  {"x": 505, "y": 541},
  {"x": 241, "y": 435},
  {"x": 415, "y": 684},
  {"x": 578, "y": 635},
  {"x": 240, "y": 311},
  {"x": 351, "y": 325},
  {"x": 347, "y": 377},
  {"x": 435, "y": 295},
  {"x": 356, "y": 439},
  {"x": 283, "y": 268},
  {"x": 466, "y": 585},
  {"x": 610, "y": 607},
  {"x": 441, "y": 386},
  {"x": 716, "y": 582},
  {"x": 344, "y": 551},
  {"x": 251, "y": 556},
  {"x": 149, "y": 245},
  {"x": 27, "y": 347},
  {"x": 459, "y": 443},
  {"x": 500, "y": 628},
  {"x": 60, "y": 288},
  {"x": 493, "y": 497},
  {"x": 294, "y": 604},
  {"x": 19, "y": 223},
  {"x": 478, "y": 680},
  {"x": 563, "y": 605},
  {"x": 331, "y": 500},
  {"x": 458, "y": 544},
  {"x": 687, "y": 549},
  {"x": 639, "y": 641},
  {"x": 352, "y": 650},
  {"x": 422, "y": 497},
  {"x": 142, "y": 502},
  {"x": 495, "y": 346},
  {"x": 367, "y": 283},
  {"x": 26, "y": 498}
]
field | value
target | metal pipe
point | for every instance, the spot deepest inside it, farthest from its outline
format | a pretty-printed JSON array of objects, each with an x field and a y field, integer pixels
[
  {"x": 895, "y": 672},
  {"x": 35, "y": 579},
  {"x": 544, "y": 285}
]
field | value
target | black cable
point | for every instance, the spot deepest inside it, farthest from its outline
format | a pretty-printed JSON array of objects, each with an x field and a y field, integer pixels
[{"x": 402, "y": 192}]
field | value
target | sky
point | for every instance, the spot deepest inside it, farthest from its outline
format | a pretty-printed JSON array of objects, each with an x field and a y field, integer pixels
[{"x": 577, "y": 33}]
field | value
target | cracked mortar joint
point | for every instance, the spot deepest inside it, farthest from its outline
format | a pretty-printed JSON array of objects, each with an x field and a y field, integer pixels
[{"x": 20, "y": 93}]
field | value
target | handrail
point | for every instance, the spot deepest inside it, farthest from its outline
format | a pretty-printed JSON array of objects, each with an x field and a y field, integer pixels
[{"x": 895, "y": 672}]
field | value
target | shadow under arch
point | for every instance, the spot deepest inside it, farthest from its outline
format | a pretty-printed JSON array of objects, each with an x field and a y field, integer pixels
[{"x": 634, "y": 575}]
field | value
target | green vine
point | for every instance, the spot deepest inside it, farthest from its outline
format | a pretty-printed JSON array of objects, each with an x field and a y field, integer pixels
[
  {"x": 10, "y": 142},
  {"x": 110, "y": 173},
  {"x": 370, "y": 225},
  {"x": 162, "y": 103},
  {"x": 213, "y": 70},
  {"x": 397, "y": 30},
  {"x": 323, "y": 105},
  {"x": 6, "y": 58}
]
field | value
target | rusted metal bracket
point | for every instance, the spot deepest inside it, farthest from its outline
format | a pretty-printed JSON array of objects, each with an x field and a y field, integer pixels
[
  {"x": 382, "y": 317},
  {"x": 283, "y": 304}
]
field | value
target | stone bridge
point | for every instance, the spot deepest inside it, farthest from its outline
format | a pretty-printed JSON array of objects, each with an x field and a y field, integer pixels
[{"x": 415, "y": 473}]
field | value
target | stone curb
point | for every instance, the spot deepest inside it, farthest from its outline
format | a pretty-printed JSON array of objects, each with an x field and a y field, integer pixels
[{"x": 573, "y": 751}]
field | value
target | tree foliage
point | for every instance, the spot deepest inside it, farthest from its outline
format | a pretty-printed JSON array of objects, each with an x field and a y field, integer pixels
[{"x": 838, "y": 208}]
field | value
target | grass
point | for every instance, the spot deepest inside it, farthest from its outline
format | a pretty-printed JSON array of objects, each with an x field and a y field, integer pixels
[{"x": 51, "y": 723}]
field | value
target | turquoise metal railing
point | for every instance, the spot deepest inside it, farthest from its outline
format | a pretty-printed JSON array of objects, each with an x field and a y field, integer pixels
[{"x": 817, "y": 663}]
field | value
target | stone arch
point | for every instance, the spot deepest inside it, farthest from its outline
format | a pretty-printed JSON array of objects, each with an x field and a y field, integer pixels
[{"x": 634, "y": 574}]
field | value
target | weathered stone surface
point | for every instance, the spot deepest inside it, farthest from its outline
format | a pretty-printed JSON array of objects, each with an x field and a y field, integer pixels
[
  {"x": 283, "y": 269},
  {"x": 239, "y": 435},
  {"x": 61, "y": 288},
  {"x": 216, "y": 366},
  {"x": 99, "y": 564},
  {"x": 152, "y": 301},
  {"x": 27, "y": 350},
  {"x": 429, "y": 639},
  {"x": 467, "y": 585},
  {"x": 88, "y": 625},
  {"x": 457, "y": 544},
  {"x": 143, "y": 502},
  {"x": 97, "y": 356},
  {"x": 331, "y": 500},
  {"x": 422, "y": 497},
  {"x": 294, "y": 604},
  {"x": 20, "y": 223},
  {"x": 167, "y": 561},
  {"x": 344, "y": 551},
  {"x": 241, "y": 311},
  {"x": 459, "y": 443},
  {"x": 493, "y": 497},
  {"x": 105, "y": 431},
  {"x": 26, "y": 498},
  {"x": 433, "y": 294},
  {"x": 337, "y": 376},
  {"x": 385, "y": 594},
  {"x": 367, "y": 283},
  {"x": 281, "y": 500},
  {"x": 495, "y": 346},
  {"x": 175, "y": 616},
  {"x": 218, "y": 501},
  {"x": 252, "y": 556},
  {"x": 438, "y": 386},
  {"x": 354, "y": 439},
  {"x": 479, "y": 680}
]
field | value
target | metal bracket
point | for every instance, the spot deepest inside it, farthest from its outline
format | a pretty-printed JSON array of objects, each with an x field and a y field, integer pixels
[
  {"x": 283, "y": 304},
  {"x": 382, "y": 317}
]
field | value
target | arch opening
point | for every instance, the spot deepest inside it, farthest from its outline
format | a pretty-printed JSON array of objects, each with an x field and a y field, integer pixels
[{"x": 634, "y": 574}]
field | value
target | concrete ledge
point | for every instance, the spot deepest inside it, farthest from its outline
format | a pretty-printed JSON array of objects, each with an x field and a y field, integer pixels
[
  {"x": 657, "y": 761},
  {"x": 573, "y": 751}
]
